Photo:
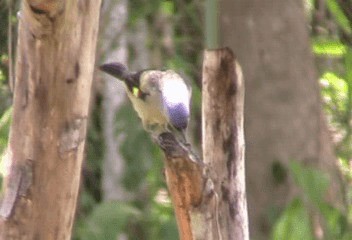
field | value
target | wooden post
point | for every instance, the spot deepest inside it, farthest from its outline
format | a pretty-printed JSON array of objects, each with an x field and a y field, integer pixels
[
  {"x": 209, "y": 196},
  {"x": 223, "y": 139}
]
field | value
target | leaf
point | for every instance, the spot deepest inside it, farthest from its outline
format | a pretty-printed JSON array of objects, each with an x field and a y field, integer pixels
[
  {"x": 329, "y": 47},
  {"x": 331, "y": 80},
  {"x": 337, "y": 95},
  {"x": 314, "y": 183},
  {"x": 293, "y": 224}
]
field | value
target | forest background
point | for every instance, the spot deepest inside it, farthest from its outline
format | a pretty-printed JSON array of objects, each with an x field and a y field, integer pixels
[{"x": 298, "y": 157}]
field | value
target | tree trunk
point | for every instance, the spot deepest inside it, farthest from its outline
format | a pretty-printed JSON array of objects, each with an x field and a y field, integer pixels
[
  {"x": 283, "y": 114},
  {"x": 56, "y": 51}
]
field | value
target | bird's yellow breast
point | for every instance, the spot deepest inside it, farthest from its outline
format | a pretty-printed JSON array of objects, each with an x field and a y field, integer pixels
[{"x": 150, "y": 112}]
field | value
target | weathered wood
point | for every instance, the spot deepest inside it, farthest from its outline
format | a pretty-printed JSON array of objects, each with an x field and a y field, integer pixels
[
  {"x": 56, "y": 53},
  {"x": 223, "y": 139},
  {"x": 209, "y": 197},
  {"x": 184, "y": 178}
]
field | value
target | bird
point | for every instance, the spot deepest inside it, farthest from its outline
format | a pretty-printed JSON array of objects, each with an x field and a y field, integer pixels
[{"x": 160, "y": 98}]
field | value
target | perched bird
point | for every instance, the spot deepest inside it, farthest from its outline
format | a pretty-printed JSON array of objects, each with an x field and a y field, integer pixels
[{"x": 161, "y": 98}]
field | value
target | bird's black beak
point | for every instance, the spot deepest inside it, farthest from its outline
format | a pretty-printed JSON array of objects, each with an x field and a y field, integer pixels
[
  {"x": 121, "y": 72},
  {"x": 115, "y": 69}
]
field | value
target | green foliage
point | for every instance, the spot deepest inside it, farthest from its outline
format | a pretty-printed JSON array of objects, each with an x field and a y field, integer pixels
[
  {"x": 5, "y": 110},
  {"x": 336, "y": 224},
  {"x": 168, "y": 7},
  {"x": 313, "y": 182},
  {"x": 92, "y": 168},
  {"x": 140, "y": 153},
  {"x": 327, "y": 47},
  {"x": 106, "y": 221},
  {"x": 295, "y": 221},
  {"x": 337, "y": 95},
  {"x": 142, "y": 9},
  {"x": 336, "y": 82}
]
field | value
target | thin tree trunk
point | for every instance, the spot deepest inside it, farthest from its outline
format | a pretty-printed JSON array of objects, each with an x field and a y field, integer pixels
[
  {"x": 223, "y": 140},
  {"x": 56, "y": 52}
]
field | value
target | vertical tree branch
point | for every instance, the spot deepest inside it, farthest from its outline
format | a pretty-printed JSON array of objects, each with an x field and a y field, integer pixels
[{"x": 223, "y": 140}]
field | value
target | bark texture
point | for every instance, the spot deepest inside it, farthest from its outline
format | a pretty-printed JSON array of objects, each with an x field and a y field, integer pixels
[
  {"x": 223, "y": 140},
  {"x": 283, "y": 116},
  {"x": 56, "y": 52},
  {"x": 185, "y": 181}
]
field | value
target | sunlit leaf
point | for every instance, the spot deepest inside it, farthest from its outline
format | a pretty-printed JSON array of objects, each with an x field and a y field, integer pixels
[
  {"x": 330, "y": 79},
  {"x": 334, "y": 91},
  {"x": 329, "y": 47}
]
